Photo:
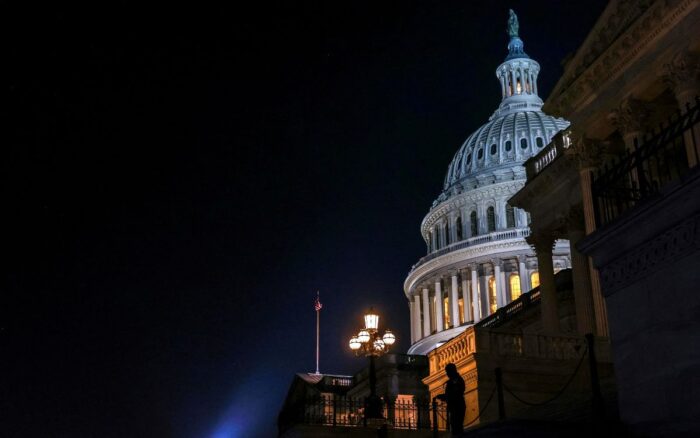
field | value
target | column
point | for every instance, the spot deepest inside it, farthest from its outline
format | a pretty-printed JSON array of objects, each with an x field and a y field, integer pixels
[
  {"x": 522, "y": 271},
  {"x": 497, "y": 267},
  {"x": 683, "y": 77},
  {"x": 583, "y": 298},
  {"x": 412, "y": 311},
  {"x": 426, "y": 312},
  {"x": 453, "y": 228},
  {"x": 503, "y": 289},
  {"x": 500, "y": 212},
  {"x": 468, "y": 314},
  {"x": 416, "y": 320},
  {"x": 433, "y": 239},
  {"x": 543, "y": 243},
  {"x": 514, "y": 88},
  {"x": 439, "y": 321},
  {"x": 503, "y": 87},
  {"x": 454, "y": 301},
  {"x": 475, "y": 294}
]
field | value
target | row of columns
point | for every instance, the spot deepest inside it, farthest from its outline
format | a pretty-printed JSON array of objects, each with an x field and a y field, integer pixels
[
  {"x": 422, "y": 302},
  {"x": 509, "y": 80}
]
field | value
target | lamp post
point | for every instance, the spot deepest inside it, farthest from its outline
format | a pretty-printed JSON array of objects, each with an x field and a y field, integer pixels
[{"x": 370, "y": 344}]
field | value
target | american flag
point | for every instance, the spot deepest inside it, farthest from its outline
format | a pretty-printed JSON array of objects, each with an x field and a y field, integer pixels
[{"x": 317, "y": 303}]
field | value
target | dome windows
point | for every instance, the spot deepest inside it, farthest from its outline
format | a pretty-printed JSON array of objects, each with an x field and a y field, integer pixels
[
  {"x": 539, "y": 142},
  {"x": 491, "y": 219},
  {"x": 480, "y": 154},
  {"x": 469, "y": 160},
  {"x": 458, "y": 228},
  {"x": 523, "y": 143},
  {"x": 510, "y": 216},
  {"x": 509, "y": 145},
  {"x": 474, "y": 223},
  {"x": 493, "y": 149}
]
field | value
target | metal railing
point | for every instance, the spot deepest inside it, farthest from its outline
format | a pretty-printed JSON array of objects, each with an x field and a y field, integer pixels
[
  {"x": 473, "y": 241},
  {"x": 658, "y": 159},
  {"x": 341, "y": 411}
]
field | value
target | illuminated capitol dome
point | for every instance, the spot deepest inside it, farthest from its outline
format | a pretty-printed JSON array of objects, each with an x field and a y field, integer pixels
[{"x": 477, "y": 258}]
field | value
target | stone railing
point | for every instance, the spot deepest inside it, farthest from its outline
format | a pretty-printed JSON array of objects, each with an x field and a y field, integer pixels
[
  {"x": 453, "y": 351},
  {"x": 495, "y": 236},
  {"x": 555, "y": 148},
  {"x": 539, "y": 346}
]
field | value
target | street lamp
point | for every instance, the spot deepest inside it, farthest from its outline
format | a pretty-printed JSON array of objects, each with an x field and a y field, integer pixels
[{"x": 368, "y": 343}]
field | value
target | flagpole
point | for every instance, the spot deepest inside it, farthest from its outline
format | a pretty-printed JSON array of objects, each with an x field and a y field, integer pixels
[{"x": 318, "y": 331}]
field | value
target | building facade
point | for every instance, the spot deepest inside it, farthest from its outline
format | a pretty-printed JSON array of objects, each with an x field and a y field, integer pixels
[{"x": 477, "y": 257}]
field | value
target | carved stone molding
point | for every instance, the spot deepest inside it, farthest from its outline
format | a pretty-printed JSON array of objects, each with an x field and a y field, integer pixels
[
  {"x": 651, "y": 256},
  {"x": 587, "y": 152},
  {"x": 631, "y": 116},
  {"x": 682, "y": 74}
]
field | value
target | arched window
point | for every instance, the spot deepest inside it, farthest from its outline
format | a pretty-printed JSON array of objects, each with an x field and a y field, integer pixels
[
  {"x": 510, "y": 216},
  {"x": 535, "y": 279},
  {"x": 437, "y": 238},
  {"x": 523, "y": 143},
  {"x": 469, "y": 160},
  {"x": 514, "y": 287},
  {"x": 539, "y": 142},
  {"x": 509, "y": 145},
  {"x": 430, "y": 241},
  {"x": 474, "y": 224},
  {"x": 491, "y": 219},
  {"x": 446, "y": 230},
  {"x": 460, "y": 303},
  {"x": 493, "y": 149},
  {"x": 493, "y": 304},
  {"x": 480, "y": 154},
  {"x": 458, "y": 231}
]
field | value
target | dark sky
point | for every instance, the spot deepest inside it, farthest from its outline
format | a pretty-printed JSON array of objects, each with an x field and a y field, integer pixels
[{"x": 179, "y": 180}]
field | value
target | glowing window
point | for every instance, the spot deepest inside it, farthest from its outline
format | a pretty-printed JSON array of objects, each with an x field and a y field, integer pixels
[
  {"x": 535, "y": 279},
  {"x": 460, "y": 303},
  {"x": 446, "y": 312},
  {"x": 518, "y": 87},
  {"x": 514, "y": 287},
  {"x": 491, "y": 219},
  {"x": 493, "y": 305},
  {"x": 474, "y": 223},
  {"x": 523, "y": 143},
  {"x": 510, "y": 216},
  {"x": 433, "y": 314},
  {"x": 509, "y": 145},
  {"x": 539, "y": 142}
]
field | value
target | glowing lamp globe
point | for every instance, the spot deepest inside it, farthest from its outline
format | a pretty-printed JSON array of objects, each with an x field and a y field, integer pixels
[
  {"x": 363, "y": 336},
  {"x": 355, "y": 343},
  {"x": 371, "y": 320},
  {"x": 389, "y": 338},
  {"x": 378, "y": 344}
]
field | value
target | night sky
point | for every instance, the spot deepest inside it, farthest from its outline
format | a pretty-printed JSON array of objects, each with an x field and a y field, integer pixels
[{"x": 179, "y": 180}]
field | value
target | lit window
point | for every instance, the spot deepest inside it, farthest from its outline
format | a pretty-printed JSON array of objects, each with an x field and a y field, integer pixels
[
  {"x": 518, "y": 87},
  {"x": 460, "y": 302},
  {"x": 492, "y": 295},
  {"x": 514, "y": 287},
  {"x": 535, "y": 279},
  {"x": 446, "y": 312}
]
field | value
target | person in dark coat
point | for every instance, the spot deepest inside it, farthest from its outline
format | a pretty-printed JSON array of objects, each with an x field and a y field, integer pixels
[{"x": 454, "y": 396}]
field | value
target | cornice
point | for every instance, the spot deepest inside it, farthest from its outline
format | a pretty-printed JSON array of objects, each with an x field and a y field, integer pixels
[
  {"x": 464, "y": 256},
  {"x": 602, "y": 58}
]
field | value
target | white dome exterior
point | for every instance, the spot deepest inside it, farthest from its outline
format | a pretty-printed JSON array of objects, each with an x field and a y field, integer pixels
[{"x": 477, "y": 258}]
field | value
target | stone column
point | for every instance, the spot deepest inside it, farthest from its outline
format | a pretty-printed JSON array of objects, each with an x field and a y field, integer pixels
[
  {"x": 412, "y": 312},
  {"x": 583, "y": 298},
  {"x": 465, "y": 298},
  {"x": 522, "y": 272},
  {"x": 416, "y": 320},
  {"x": 514, "y": 88},
  {"x": 426, "y": 312},
  {"x": 454, "y": 301},
  {"x": 500, "y": 295},
  {"x": 543, "y": 244},
  {"x": 433, "y": 238},
  {"x": 683, "y": 78},
  {"x": 588, "y": 153},
  {"x": 475, "y": 294},
  {"x": 500, "y": 212},
  {"x": 503, "y": 87},
  {"x": 439, "y": 321},
  {"x": 453, "y": 228}
]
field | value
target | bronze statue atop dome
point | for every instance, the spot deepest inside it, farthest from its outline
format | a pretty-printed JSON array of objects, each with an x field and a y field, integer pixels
[{"x": 513, "y": 25}]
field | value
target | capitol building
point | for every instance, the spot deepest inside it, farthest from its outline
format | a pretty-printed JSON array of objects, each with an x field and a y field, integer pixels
[{"x": 478, "y": 259}]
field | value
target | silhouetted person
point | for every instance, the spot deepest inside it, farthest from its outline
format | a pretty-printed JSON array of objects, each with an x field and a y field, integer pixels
[{"x": 454, "y": 396}]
